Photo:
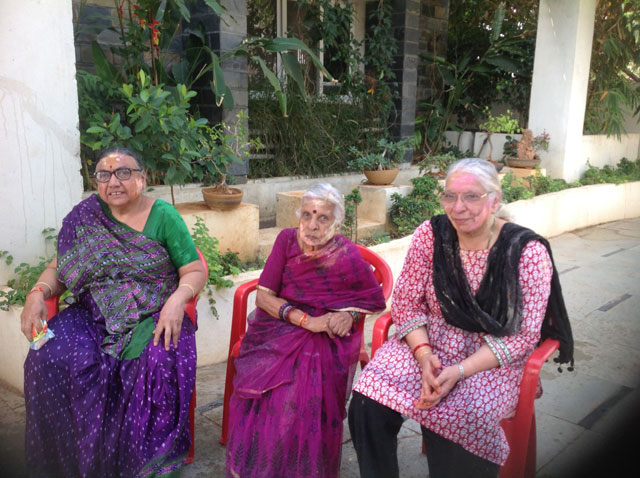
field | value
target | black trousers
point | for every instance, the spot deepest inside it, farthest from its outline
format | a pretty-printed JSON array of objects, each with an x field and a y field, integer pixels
[{"x": 374, "y": 431}]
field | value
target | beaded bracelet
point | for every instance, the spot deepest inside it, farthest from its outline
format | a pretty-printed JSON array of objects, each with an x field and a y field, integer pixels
[
  {"x": 281, "y": 312},
  {"x": 287, "y": 311},
  {"x": 303, "y": 319}
]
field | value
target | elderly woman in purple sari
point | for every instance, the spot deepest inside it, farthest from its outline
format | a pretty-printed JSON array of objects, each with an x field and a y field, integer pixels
[
  {"x": 296, "y": 362},
  {"x": 109, "y": 394}
]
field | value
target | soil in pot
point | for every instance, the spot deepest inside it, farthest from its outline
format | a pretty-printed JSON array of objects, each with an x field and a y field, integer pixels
[
  {"x": 218, "y": 197},
  {"x": 381, "y": 177}
]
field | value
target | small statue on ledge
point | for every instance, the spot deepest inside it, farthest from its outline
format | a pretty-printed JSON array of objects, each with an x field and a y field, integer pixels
[{"x": 524, "y": 147}]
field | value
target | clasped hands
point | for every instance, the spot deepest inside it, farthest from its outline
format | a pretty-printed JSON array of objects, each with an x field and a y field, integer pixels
[
  {"x": 334, "y": 324},
  {"x": 437, "y": 382}
]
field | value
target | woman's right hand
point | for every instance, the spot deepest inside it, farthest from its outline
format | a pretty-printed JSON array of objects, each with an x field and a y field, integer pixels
[{"x": 33, "y": 313}]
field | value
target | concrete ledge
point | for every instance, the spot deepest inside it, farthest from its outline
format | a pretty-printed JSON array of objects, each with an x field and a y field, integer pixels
[
  {"x": 549, "y": 215},
  {"x": 236, "y": 229}
]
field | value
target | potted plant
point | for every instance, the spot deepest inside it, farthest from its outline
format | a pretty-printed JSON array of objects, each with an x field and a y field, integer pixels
[
  {"x": 436, "y": 165},
  {"x": 379, "y": 163},
  {"x": 225, "y": 144},
  {"x": 503, "y": 123},
  {"x": 524, "y": 153}
]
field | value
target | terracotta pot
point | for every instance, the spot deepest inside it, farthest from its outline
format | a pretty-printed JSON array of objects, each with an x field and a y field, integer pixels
[
  {"x": 381, "y": 177},
  {"x": 523, "y": 163},
  {"x": 222, "y": 198}
]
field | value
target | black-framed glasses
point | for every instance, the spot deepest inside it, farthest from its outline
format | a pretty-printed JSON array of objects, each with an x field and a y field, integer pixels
[
  {"x": 449, "y": 198},
  {"x": 104, "y": 176}
]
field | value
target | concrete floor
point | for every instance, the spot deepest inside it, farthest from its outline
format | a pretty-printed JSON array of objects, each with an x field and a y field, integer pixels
[{"x": 585, "y": 418}]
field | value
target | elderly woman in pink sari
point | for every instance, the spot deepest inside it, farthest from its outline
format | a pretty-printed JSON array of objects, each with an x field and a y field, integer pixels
[{"x": 296, "y": 362}]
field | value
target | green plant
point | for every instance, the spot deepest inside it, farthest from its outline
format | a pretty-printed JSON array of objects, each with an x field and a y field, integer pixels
[
  {"x": 384, "y": 154},
  {"x": 350, "y": 224},
  {"x": 624, "y": 172},
  {"x": 614, "y": 74},
  {"x": 159, "y": 127},
  {"x": 219, "y": 265},
  {"x": 487, "y": 43},
  {"x": 26, "y": 274},
  {"x": 437, "y": 162},
  {"x": 408, "y": 212},
  {"x": 513, "y": 189},
  {"x": 503, "y": 123},
  {"x": 540, "y": 143}
]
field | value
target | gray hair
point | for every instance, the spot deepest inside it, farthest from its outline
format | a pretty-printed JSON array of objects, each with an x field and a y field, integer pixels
[
  {"x": 124, "y": 151},
  {"x": 326, "y": 192},
  {"x": 483, "y": 170},
  {"x": 486, "y": 174}
]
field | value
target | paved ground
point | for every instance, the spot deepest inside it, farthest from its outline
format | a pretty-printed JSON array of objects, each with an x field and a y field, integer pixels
[{"x": 586, "y": 419}]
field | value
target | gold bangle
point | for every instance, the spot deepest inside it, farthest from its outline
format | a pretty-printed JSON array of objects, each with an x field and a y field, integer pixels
[
  {"x": 193, "y": 291},
  {"x": 44, "y": 283},
  {"x": 424, "y": 352}
]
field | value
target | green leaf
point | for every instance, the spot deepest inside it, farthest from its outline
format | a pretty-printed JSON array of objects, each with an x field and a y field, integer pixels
[
  {"x": 280, "y": 44},
  {"x": 273, "y": 80},
  {"x": 128, "y": 90},
  {"x": 503, "y": 63},
  {"x": 184, "y": 11},
  {"x": 218, "y": 85},
  {"x": 95, "y": 129},
  {"x": 215, "y": 6},
  {"x": 144, "y": 96},
  {"x": 104, "y": 68},
  {"x": 292, "y": 67}
]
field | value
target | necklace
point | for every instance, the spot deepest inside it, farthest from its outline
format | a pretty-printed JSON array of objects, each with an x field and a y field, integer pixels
[{"x": 493, "y": 225}]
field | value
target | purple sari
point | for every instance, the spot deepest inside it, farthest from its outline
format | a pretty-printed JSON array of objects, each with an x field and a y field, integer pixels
[
  {"x": 291, "y": 385},
  {"x": 101, "y": 400}
]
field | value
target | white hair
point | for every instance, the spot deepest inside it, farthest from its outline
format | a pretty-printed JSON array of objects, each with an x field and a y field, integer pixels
[
  {"x": 326, "y": 192},
  {"x": 483, "y": 170},
  {"x": 486, "y": 174}
]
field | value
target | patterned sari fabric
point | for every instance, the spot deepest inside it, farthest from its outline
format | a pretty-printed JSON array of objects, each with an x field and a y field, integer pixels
[
  {"x": 291, "y": 385},
  {"x": 101, "y": 400}
]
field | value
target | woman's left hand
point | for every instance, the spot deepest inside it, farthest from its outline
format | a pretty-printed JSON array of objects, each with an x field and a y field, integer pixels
[
  {"x": 169, "y": 323},
  {"x": 340, "y": 323}
]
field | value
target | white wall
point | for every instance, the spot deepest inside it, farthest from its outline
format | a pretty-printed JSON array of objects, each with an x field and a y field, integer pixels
[
  {"x": 560, "y": 80},
  {"x": 600, "y": 150},
  {"x": 39, "y": 140}
]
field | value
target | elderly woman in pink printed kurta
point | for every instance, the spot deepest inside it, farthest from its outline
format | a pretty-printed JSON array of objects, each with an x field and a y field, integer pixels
[{"x": 469, "y": 307}]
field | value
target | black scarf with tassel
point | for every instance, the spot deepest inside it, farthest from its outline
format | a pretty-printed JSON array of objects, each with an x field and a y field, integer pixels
[{"x": 496, "y": 308}]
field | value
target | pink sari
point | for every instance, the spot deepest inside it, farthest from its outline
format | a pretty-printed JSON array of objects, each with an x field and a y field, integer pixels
[{"x": 291, "y": 385}]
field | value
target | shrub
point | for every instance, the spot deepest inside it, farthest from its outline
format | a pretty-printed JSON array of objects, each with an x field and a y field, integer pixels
[{"x": 408, "y": 212}]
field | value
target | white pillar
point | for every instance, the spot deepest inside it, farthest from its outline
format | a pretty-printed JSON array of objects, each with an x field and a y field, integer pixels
[
  {"x": 560, "y": 80},
  {"x": 39, "y": 141}
]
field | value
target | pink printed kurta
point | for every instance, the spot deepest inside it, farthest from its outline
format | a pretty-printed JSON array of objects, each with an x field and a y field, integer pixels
[{"x": 471, "y": 413}]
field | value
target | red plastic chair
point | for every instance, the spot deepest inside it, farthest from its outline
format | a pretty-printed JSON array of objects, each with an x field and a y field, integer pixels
[
  {"x": 190, "y": 310},
  {"x": 383, "y": 275},
  {"x": 519, "y": 428}
]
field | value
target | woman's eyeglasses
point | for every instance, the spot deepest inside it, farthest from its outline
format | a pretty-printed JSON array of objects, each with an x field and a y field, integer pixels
[
  {"x": 104, "y": 176},
  {"x": 449, "y": 199}
]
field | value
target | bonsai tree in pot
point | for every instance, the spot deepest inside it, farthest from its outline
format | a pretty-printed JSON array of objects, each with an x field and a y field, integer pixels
[
  {"x": 224, "y": 144},
  {"x": 523, "y": 153},
  {"x": 380, "y": 162}
]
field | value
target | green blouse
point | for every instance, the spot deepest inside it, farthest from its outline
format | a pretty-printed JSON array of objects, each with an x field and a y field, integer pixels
[{"x": 166, "y": 226}]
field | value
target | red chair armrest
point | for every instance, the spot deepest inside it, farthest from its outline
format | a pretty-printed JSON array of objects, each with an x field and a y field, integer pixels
[
  {"x": 380, "y": 331},
  {"x": 52, "y": 306}
]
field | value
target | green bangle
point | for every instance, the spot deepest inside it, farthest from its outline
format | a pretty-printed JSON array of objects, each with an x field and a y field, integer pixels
[{"x": 355, "y": 316}]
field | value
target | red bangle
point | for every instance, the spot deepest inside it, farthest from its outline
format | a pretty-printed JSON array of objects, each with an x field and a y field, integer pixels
[
  {"x": 419, "y": 346},
  {"x": 303, "y": 319}
]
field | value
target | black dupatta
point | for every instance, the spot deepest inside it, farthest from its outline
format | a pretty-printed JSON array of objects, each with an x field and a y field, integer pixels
[{"x": 496, "y": 308}]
